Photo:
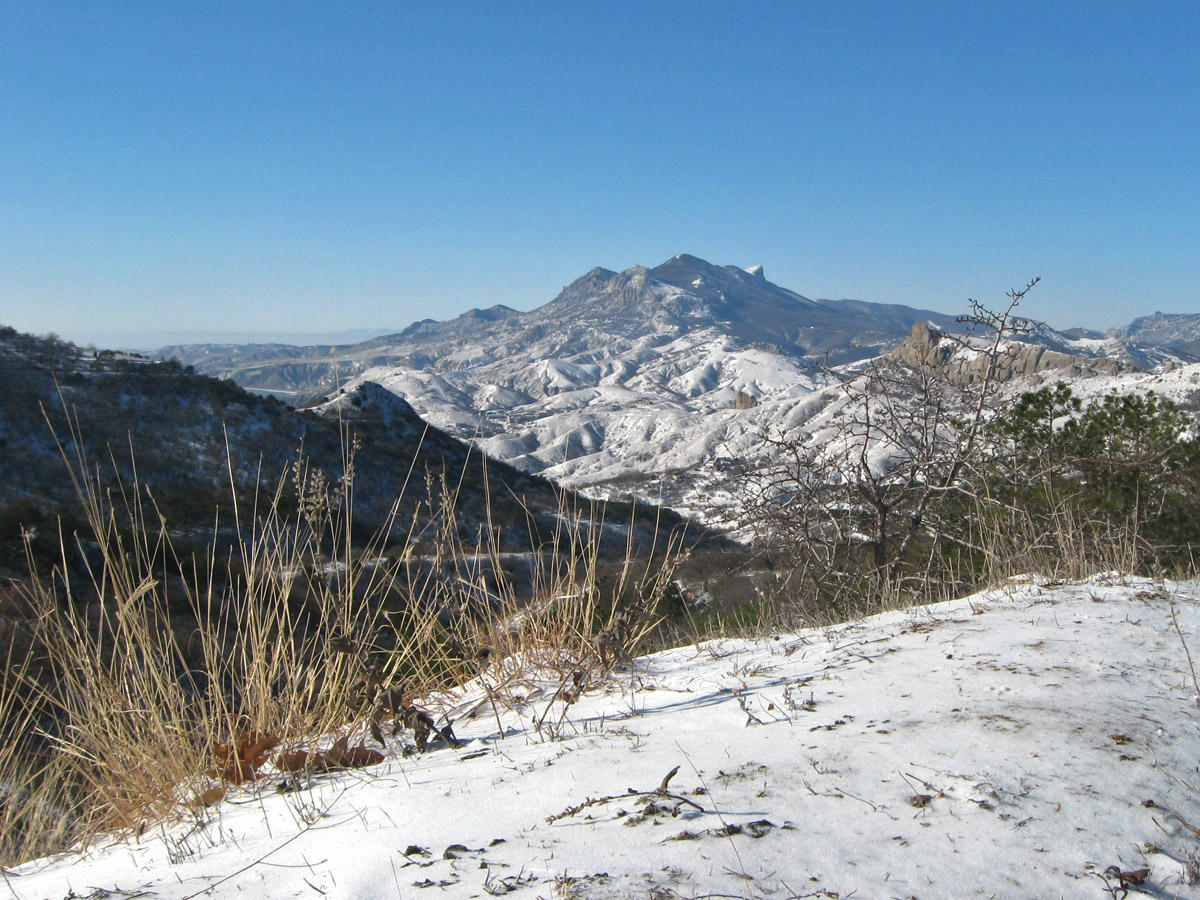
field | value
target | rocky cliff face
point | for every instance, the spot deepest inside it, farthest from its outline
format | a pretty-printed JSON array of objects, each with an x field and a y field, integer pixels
[{"x": 929, "y": 348}]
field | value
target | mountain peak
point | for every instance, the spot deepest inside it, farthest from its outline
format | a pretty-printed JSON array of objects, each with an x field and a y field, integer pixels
[{"x": 725, "y": 284}]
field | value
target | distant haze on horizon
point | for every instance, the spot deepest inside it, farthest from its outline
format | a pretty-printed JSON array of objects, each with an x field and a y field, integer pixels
[{"x": 325, "y": 169}]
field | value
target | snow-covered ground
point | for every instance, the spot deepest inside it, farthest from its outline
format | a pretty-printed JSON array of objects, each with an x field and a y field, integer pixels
[
  {"x": 1017, "y": 743},
  {"x": 1179, "y": 384}
]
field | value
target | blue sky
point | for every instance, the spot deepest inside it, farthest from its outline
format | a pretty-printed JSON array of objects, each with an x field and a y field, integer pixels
[{"x": 187, "y": 168}]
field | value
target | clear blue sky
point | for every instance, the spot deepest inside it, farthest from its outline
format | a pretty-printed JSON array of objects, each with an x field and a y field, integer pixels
[{"x": 287, "y": 167}]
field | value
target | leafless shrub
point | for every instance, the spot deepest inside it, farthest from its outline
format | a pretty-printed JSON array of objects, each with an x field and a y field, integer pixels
[{"x": 869, "y": 508}]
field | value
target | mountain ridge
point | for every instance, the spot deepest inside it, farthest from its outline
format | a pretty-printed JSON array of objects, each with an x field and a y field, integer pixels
[{"x": 597, "y": 311}]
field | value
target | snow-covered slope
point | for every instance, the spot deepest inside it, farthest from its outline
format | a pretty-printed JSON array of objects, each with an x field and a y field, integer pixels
[
  {"x": 1032, "y": 741},
  {"x": 1179, "y": 384},
  {"x": 627, "y": 378}
]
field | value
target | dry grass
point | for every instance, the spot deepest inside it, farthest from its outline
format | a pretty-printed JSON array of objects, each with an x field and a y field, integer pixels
[
  {"x": 997, "y": 542},
  {"x": 1064, "y": 544},
  {"x": 113, "y": 706}
]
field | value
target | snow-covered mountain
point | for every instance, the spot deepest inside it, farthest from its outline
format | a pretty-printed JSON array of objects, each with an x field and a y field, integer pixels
[
  {"x": 604, "y": 325},
  {"x": 625, "y": 376},
  {"x": 631, "y": 379},
  {"x": 198, "y": 445},
  {"x": 1177, "y": 333},
  {"x": 1029, "y": 741}
]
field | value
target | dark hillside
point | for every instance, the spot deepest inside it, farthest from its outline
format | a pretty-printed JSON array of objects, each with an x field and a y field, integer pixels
[{"x": 193, "y": 443}]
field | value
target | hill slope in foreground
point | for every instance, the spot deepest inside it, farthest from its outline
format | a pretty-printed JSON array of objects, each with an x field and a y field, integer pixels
[{"x": 1017, "y": 743}]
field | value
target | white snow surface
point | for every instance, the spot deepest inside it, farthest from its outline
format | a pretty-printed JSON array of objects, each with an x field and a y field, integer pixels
[
  {"x": 1013, "y": 744},
  {"x": 655, "y": 417}
]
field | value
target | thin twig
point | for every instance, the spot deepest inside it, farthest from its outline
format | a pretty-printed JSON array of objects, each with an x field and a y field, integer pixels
[
  {"x": 660, "y": 791},
  {"x": 1187, "y": 653},
  {"x": 724, "y": 824},
  {"x": 859, "y": 799}
]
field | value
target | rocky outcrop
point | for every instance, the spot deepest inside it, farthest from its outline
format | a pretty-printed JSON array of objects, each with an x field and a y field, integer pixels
[
  {"x": 742, "y": 400},
  {"x": 930, "y": 348}
]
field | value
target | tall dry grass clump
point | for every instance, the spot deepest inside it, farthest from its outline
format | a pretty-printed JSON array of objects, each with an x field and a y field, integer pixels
[
  {"x": 141, "y": 666},
  {"x": 139, "y": 660}
]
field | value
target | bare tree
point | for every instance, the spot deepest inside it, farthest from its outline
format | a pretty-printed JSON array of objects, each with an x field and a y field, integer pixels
[{"x": 865, "y": 497}]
